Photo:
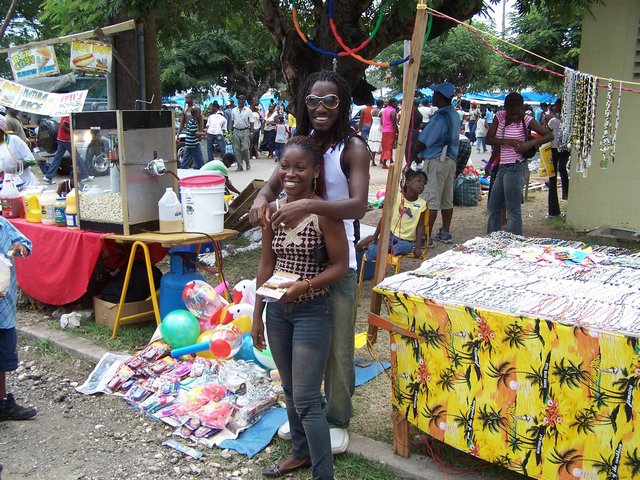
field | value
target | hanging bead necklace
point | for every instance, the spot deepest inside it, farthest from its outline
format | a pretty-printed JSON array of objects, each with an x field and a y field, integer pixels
[{"x": 605, "y": 141}]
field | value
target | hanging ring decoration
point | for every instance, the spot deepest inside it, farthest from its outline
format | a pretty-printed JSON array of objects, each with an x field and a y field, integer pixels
[
  {"x": 348, "y": 51},
  {"x": 353, "y": 53}
]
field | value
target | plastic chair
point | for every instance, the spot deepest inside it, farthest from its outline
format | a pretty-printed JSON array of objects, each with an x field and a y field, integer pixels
[{"x": 395, "y": 261}]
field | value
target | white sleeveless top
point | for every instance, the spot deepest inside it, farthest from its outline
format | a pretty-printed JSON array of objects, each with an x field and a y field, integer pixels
[{"x": 338, "y": 189}]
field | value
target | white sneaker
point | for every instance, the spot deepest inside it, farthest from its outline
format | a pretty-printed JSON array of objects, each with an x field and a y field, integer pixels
[
  {"x": 284, "y": 432},
  {"x": 253, "y": 158},
  {"x": 339, "y": 440}
]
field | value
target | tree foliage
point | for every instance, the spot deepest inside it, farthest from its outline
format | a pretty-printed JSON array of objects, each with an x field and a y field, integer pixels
[
  {"x": 548, "y": 34},
  {"x": 457, "y": 57}
]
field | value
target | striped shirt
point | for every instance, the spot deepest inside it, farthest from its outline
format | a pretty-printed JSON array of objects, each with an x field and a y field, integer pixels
[
  {"x": 513, "y": 131},
  {"x": 8, "y": 236},
  {"x": 191, "y": 140}
]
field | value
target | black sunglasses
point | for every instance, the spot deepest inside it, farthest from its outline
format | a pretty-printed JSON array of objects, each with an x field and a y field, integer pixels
[{"x": 330, "y": 101}]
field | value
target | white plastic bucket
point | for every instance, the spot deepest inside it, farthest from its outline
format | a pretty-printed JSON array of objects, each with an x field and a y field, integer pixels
[{"x": 203, "y": 204}]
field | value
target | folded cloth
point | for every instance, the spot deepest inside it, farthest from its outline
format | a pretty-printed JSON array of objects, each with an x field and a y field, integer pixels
[
  {"x": 367, "y": 370},
  {"x": 258, "y": 436}
]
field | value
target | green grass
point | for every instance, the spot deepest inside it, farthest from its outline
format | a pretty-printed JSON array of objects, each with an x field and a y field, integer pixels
[
  {"x": 47, "y": 349},
  {"x": 130, "y": 337},
  {"x": 347, "y": 467}
]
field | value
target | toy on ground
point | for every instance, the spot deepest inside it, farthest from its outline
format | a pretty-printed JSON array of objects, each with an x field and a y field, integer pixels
[
  {"x": 265, "y": 358},
  {"x": 245, "y": 292},
  {"x": 179, "y": 328},
  {"x": 202, "y": 300},
  {"x": 224, "y": 342},
  {"x": 240, "y": 315},
  {"x": 246, "y": 350}
]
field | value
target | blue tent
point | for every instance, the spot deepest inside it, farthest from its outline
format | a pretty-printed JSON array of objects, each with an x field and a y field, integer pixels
[
  {"x": 421, "y": 94},
  {"x": 498, "y": 97}
]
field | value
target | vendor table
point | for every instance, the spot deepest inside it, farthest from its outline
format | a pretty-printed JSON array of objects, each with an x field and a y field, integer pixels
[
  {"x": 167, "y": 240},
  {"x": 516, "y": 351},
  {"x": 61, "y": 262}
]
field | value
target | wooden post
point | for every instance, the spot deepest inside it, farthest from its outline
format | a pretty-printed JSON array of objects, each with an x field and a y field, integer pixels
[
  {"x": 393, "y": 177},
  {"x": 400, "y": 434}
]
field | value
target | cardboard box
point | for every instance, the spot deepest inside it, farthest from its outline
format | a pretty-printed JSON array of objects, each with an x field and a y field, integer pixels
[{"x": 105, "y": 312}]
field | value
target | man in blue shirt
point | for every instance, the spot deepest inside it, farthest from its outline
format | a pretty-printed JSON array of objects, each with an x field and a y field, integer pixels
[{"x": 437, "y": 145}]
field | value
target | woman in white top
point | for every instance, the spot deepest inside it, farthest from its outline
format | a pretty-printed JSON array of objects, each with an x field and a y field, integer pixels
[
  {"x": 16, "y": 157},
  {"x": 481, "y": 133},
  {"x": 269, "y": 130},
  {"x": 375, "y": 134}
]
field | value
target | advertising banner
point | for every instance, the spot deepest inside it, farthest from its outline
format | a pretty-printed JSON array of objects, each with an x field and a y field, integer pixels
[
  {"x": 33, "y": 62},
  {"x": 30, "y": 100},
  {"x": 89, "y": 55}
]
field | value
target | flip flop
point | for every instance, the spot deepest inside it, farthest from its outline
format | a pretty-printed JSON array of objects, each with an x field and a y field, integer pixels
[{"x": 277, "y": 471}]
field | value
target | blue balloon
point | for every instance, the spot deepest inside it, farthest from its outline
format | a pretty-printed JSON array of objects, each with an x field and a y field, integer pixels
[{"x": 246, "y": 350}]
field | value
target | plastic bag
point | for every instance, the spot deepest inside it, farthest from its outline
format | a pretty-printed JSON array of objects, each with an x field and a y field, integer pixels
[
  {"x": 5, "y": 275},
  {"x": 546, "y": 164}
]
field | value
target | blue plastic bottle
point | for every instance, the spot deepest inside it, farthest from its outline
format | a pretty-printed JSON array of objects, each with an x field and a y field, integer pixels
[{"x": 173, "y": 283}]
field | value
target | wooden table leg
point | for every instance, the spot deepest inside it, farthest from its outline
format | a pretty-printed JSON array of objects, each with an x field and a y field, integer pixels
[{"x": 400, "y": 434}]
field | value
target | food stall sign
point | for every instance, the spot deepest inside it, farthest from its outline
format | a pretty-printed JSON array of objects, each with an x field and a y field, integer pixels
[
  {"x": 32, "y": 62},
  {"x": 90, "y": 55}
]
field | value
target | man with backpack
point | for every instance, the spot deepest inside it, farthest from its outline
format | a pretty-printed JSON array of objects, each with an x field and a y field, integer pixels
[{"x": 437, "y": 145}]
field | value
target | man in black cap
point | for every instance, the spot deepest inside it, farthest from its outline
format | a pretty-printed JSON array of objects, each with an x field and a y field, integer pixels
[
  {"x": 242, "y": 119},
  {"x": 437, "y": 146}
]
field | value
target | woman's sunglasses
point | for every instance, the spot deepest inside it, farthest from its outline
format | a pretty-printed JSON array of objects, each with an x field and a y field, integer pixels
[{"x": 329, "y": 101}]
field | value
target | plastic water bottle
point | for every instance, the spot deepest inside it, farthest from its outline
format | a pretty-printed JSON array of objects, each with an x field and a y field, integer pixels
[
  {"x": 170, "y": 212},
  {"x": 47, "y": 207},
  {"x": 10, "y": 198},
  {"x": 71, "y": 212}
]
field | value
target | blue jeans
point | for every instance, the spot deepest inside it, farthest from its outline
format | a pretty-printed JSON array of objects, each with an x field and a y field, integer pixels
[
  {"x": 192, "y": 155},
  {"x": 396, "y": 245},
  {"x": 481, "y": 142},
  {"x": 365, "y": 131},
  {"x": 507, "y": 191},
  {"x": 278, "y": 151},
  {"x": 299, "y": 337},
  {"x": 214, "y": 140},
  {"x": 57, "y": 159},
  {"x": 340, "y": 374}
]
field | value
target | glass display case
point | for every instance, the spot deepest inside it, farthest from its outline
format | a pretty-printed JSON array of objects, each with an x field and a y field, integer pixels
[{"x": 123, "y": 197}]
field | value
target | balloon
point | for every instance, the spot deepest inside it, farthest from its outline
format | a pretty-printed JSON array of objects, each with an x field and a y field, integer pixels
[
  {"x": 179, "y": 328},
  {"x": 243, "y": 322},
  {"x": 205, "y": 337},
  {"x": 246, "y": 350},
  {"x": 264, "y": 358},
  {"x": 201, "y": 299}
]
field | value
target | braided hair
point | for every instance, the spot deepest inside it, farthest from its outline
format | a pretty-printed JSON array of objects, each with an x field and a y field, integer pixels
[
  {"x": 342, "y": 126},
  {"x": 314, "y": 150}
]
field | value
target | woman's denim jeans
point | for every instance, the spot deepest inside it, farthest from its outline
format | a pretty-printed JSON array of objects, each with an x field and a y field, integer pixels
[
  {"x": 299, "y": 337},
  {"x": 507, "y": 191}
]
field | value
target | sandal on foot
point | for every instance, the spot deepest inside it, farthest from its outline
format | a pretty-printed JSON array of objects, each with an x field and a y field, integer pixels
[{"x": 280, "y": 471}]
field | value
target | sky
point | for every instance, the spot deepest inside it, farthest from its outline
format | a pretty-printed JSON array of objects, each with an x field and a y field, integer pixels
[{"x": 497, "y": 13}]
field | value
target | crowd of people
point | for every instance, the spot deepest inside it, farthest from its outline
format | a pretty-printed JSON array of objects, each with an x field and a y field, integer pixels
[{"x": 241, "y": 130}]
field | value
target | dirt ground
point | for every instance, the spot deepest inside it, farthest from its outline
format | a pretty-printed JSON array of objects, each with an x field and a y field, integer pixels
[{"x": 101, "y": 437}]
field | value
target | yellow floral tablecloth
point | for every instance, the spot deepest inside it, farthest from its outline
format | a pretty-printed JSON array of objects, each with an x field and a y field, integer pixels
[{"x": 542, "y": 398}]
